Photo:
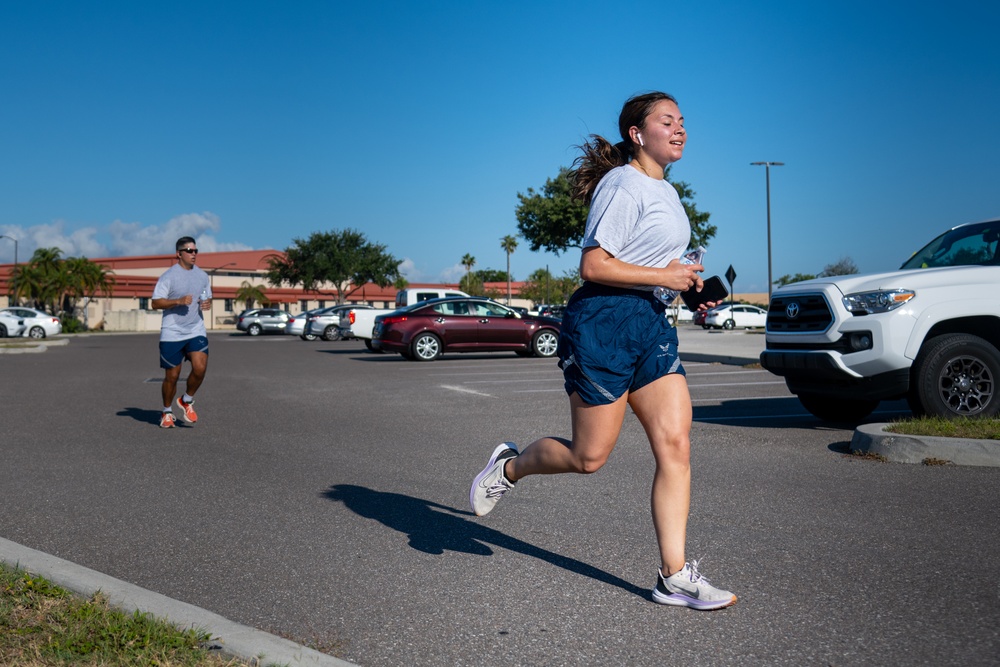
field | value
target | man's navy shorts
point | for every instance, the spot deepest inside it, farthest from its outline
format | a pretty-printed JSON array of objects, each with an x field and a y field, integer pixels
[
  {"x": 615, "y": 340},
  {"x": 173, "y": 352}
]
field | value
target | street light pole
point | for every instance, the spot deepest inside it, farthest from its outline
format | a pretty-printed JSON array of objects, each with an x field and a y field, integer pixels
[
  {"x": 767, "y": 175},
  {"x": 10, "y": 286}
]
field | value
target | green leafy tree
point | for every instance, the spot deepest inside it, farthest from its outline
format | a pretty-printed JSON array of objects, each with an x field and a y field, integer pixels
[
  {"x": 472, "y": 284},
  {"x": 797, "y": 278},
  {"x": 251, "y": 294},
  {"x": 509, "y": 244},
  {"x": 552, "y": 220},
  {"x": 543, "y": 287},
  {"x": 41, "y": 280},
  {"x": 345, "y": 259},
  {"x": 491, "y": 275}
]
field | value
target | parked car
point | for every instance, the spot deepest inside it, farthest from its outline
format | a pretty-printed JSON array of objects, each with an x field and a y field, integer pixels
[
  {"x": 681, "y": 314},
  {"x": 297, "y": 324},
  {"x": 740, "y": 315},
  {"x": 698, "y": 319},
  {"x": 424, "y": 331},
  {"x": 37, "y": 323},
  {"x": 546, "y": 310},
  {"x": 413, "y": 295},
  {"x": 256, "y": 321},
  {"x": 326, "y": 323},
  {"x": 10, "y": 326}
]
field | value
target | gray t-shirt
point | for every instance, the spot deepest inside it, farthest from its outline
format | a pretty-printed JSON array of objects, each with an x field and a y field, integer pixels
[
  {"x": 637, "y": 219},
  {"x": 182, "y": 322}
]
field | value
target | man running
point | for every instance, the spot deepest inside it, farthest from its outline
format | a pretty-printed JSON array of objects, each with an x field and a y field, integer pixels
[{"x": 182, "y": 293}]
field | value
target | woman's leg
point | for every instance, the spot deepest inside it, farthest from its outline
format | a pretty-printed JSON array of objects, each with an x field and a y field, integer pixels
[
  {"x": 664, "y": 410},
  {"x": 595, "y": 432}
]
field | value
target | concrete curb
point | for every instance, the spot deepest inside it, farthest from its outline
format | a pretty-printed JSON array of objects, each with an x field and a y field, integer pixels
[
  {"x": 30, "y": 346},
  {"x": 237, "y": 640},
  {"x": 899, "y": 448}
]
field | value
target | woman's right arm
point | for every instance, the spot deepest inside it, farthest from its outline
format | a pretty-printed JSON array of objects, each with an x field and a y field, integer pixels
[{"x": 599, "y": 266}]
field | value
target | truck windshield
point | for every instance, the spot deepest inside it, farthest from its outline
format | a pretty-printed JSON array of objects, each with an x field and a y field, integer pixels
[{"x": 962, "y": 246}]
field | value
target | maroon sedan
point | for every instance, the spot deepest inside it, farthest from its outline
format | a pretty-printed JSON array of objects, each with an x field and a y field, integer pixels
[{"x": 426, "y": 330}]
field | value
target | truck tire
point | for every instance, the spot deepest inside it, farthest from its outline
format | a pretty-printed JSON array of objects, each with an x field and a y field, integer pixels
[
  {"x": 956, "y": 375},
  {"x": 426, "y": 347},
  {"x": 545, "y": 343},
  {"x": 828, "y": 408}
]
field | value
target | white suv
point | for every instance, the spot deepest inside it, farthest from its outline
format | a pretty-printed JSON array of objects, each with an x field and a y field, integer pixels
[{"x": 929, "y": 333}]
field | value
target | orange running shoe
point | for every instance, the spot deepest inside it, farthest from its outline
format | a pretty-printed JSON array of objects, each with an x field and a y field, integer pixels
[
  {"x": 187, "y": 411},
  {"x": 167, "y": 420}
]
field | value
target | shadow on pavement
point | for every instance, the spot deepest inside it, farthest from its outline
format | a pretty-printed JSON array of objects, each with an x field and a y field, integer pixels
[
  {"x": 141, "y": 415},
  {"x": 434, "y": 528}
]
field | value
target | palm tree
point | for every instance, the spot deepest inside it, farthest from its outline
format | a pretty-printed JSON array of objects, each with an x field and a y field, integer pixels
[
  {"x": 85, "y": 280},
  {"x": 251, "y": 294},
  {"x": 508, "y": 243},
  {"x": 468, "y": 261}
]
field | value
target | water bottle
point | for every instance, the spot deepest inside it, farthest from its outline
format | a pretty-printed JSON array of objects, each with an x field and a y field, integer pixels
[{"x": 667, "y": 296}]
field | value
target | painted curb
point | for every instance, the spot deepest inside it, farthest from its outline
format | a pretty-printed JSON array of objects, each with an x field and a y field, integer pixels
[{"x": 899, "y": 448}]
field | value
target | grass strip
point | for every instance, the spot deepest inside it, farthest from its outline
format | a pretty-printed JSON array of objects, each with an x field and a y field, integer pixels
[
  {"x": 43, "y": 625},
  {"x": 981, "y": 429}
]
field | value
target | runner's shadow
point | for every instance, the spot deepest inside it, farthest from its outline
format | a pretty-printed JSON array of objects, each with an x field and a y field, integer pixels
[
  {"x": 141, "y": 415},
  {"x": 434, "y": 528}
]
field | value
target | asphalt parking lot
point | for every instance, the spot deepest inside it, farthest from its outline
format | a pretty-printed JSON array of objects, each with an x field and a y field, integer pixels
[{"x": 323, "y": 497}]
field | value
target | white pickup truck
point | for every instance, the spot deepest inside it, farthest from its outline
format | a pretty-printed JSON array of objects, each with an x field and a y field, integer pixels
[
  {"x": 359, "y": 322},
  {"x": 929, "y": 333}
]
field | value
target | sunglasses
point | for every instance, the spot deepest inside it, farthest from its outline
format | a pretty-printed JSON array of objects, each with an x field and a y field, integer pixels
[{"x": 193, "y": 251}]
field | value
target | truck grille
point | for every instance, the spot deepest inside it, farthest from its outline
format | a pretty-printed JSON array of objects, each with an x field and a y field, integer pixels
[{"x": 799, "y": 313}]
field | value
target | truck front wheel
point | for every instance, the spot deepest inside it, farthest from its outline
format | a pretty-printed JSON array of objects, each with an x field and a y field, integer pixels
[
  {"x": 956, "y": 375},
  {"x": 837, "y": 409}
]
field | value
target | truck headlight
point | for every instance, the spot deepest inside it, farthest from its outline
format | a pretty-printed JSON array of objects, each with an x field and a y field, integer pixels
[{"x": 881, "y": 301}]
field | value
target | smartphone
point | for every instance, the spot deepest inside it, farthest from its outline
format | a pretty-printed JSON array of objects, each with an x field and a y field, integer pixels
[{"x": 713, "y": 290}]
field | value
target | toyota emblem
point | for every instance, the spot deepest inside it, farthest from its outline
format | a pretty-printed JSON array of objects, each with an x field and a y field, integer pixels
[{"x": 792, "y": 310}]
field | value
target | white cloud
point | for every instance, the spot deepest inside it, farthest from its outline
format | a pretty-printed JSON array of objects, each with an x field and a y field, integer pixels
[
  {"x": 452, "y": 274},
  {"x": 117, "y": 239}
]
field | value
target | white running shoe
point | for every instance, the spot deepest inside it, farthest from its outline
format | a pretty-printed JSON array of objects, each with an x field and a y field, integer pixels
[
  {"x": 688, "y": 588},
  {"x": 490, "y": 485}
]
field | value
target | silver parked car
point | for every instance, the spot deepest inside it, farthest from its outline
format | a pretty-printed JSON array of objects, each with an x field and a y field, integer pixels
[
  {"x": 37, "y": 323},
  {"x": 256, "y": 321},
  {"x": 298, "y": 324},
  {"x": 326, "y": 323}
]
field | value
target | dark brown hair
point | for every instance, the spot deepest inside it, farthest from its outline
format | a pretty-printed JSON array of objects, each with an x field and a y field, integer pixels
[{"x": 601, "y": 156}]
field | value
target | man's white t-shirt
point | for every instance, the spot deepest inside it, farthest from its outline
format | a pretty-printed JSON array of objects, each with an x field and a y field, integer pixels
[
  {"x": 183, "y": 322},
  {"x": 637, "y": 219}
]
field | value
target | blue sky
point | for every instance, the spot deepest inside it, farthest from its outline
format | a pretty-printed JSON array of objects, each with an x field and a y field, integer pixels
[{"x": 247, "y": 124}]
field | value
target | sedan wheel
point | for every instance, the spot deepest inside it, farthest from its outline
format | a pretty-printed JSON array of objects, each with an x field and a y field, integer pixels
[
  {"x": 729, "y": 324},
  {"x": 254, "y": 330},
  {"x": 3, "y": 331},
  {"x": 37, "y": 332},
  {"x": 307, "y": 337},
  {"x": 331, "y": 333},
  {"x": 545, "y": 343},
  {"x": 426, "y": 347}
]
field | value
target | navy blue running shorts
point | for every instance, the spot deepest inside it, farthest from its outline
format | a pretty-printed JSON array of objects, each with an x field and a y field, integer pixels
[
  {"x": 615, "y": 340},
  {"x": 173, "y": 352}
]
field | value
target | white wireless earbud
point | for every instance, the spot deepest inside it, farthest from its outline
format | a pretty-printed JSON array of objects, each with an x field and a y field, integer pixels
[{"x": 639, "y": 137}]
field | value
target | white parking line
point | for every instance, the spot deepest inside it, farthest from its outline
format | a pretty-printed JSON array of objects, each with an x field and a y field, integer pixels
[{"x": 463, "y": 390}]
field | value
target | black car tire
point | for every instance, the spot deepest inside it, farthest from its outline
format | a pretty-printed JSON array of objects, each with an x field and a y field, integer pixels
[
  {"x": 729, "y": 324},
  {"x": 3, "y": 331},
  {"x": 844, "y": 410},
  {"x": 545, "y": 343},
  {"x": 425, "y": 347},
  {"x": 956, "y": 375},
  {"x": 307, "y": 337},
  {"x": 331, "y": 333},
  {"x": 254, "y": 330}
]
